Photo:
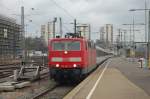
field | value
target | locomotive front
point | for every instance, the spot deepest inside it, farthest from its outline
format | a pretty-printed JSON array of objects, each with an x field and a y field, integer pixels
[{"x": 66, "y": 58}]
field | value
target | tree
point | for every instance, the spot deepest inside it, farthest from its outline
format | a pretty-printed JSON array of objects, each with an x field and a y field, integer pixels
[{"x": 35, "y": 44}]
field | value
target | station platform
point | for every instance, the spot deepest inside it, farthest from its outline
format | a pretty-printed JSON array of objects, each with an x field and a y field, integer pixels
[{"x": 117, "y": 78}]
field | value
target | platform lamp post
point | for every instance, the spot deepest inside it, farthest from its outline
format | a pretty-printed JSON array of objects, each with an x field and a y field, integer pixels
[
  {"x": 145, "y": 18},
  {"x": 23, "y": 35},
  {"x": 24, "y": 59},
  {"x": 133, "y": 30},
  {"x": 147, "y": 49},
  {"x": 124, "y": 41},
  {"x": 130, "y": 31},
  {"x": 124, "y": 31},
  {"x": 119, "y": 41},
  {"x": 122, "y": 37},
  {"x": 133, "y": 45}
]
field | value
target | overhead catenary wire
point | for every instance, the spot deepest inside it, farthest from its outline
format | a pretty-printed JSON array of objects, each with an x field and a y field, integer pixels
[
  {"x": 66, "y": 11},
  {"x": 2, "y": 5},
  {"x": 66, "y": 28}
]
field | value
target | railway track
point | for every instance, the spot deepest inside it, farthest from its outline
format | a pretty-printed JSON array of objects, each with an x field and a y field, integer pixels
[
  {"x": 41, "y": 89},
  {"x": 55, "y": 92},
  {"x": 7, "y": 67},
  {"x": 44, "y": 92},
  {"x": 7, "y": 70}
]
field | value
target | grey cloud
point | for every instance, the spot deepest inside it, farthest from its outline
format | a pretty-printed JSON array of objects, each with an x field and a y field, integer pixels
[{"x": 96, "y": 12}]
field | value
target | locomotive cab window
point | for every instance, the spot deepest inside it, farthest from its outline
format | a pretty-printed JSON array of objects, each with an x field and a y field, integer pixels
[
  {"x": 66, "y": 45},
  {"x": 74, "y": 45},
  {"x": 58, "y": 46}
]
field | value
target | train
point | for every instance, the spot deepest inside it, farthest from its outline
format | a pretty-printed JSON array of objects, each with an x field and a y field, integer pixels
[
  {"x": 74, "y": 57},
  {"x": 71, "y": 58}
]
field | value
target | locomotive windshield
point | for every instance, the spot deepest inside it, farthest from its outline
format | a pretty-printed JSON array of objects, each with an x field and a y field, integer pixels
[{"x": 66, "y": 45}]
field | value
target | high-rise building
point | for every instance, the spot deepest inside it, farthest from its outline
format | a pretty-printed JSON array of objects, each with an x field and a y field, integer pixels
[
  {"x": 84, "y": 30},
  {"x": 107, "y": 34},
  {"x": 43, "y": 32},
  {"x": 10, "y": 38},
  {"x": 102, "y": 32},
  {"x": 46, "y": 32}
]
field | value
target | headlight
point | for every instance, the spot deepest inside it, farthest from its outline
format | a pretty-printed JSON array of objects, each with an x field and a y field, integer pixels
[
  {"x": 74, "y": 65},
  {"x": 57, "y": 65}
]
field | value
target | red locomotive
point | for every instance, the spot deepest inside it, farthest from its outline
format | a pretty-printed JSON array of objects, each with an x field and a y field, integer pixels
[{"x": 71, "y": 57}]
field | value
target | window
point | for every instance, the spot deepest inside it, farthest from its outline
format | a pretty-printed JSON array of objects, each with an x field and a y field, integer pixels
[
  {"x": 66, "y": 45},
  {"x": 74, "y": 45},
  {"x": 5, "y": 33},
  {"x": 58, "y": 46}
]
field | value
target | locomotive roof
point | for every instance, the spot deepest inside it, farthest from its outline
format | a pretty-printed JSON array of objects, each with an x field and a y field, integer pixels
[{"x": 80, "y": 39}]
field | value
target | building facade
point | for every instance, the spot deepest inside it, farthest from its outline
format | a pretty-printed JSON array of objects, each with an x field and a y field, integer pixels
[
  {"x": 46, "y": 32},
  {"x": 102, "y": 32},
  {"x": 10, "y": 38},
  {"x": 107, "y": 34},
  {"x": 84, "y": 30}
]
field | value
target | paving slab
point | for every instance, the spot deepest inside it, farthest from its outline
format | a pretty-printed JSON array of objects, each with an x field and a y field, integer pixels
[
  {"x": 131, "y": 70},
  {"x": 111, "y": 83},
  {"x": 114, "y": 85}
]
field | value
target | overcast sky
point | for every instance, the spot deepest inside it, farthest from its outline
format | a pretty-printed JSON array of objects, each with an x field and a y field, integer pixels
[{"x": 95, "y": 12}]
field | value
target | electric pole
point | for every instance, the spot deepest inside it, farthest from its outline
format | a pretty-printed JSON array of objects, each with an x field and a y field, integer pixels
[
  {"x": 89, "y": 32},
  {"x": 23, "y": 34},
  {"x": 107, "y": 35},
  {"x": 61, "y": 31},
  {"x": 48, "y": 31},
  {"x": 54, "y": 21},
  {"x": 75, "y": 25},
  {"x": 119, "y": 31},
  {"x": 125, "y": 38},
  {"x": 145, "y": 21},
  {"x": 118, "y": 44}
]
